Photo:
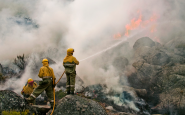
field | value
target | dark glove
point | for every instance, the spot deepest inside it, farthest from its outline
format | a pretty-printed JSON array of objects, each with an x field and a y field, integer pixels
[
  {"x": 53, "y": 85},
  {"x": 22, "y": 92}
]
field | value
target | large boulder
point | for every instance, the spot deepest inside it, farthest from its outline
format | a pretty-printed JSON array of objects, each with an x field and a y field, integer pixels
[
  {"x": 142, "y": 52},
  {"x": 175, "y": 59},
  {"x": 144, "y": 41},
  {"x": 146, "y": 70},
  {"x": 171, "y": 100},
  {"x": 178, "y": 69},
  {"x": 76, "y": 105},
  {"x": 158, "y": 57},
  {"x": 151, "y": 53},
  {"x": 9, "y": 100},
  {"x": 176, "y": 43},
  {"x": 177, "y": 46}
]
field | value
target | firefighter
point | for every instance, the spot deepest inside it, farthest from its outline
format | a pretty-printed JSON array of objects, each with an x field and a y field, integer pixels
[
  {"x": 47, "y": 75},
  {"x": 70, "y": 63},
  {"x": 28, "y": 88}
]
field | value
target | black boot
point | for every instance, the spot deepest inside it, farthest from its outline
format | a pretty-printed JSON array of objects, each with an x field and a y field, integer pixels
[
  {"x": 72, "y": 92},
  {"x": 30, "y": 100},
  {"x": 68, "y": 92},
  {"x": 52, "y": 104}
]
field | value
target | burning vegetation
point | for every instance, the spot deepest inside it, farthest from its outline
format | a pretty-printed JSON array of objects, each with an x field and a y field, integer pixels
[{"x": 140, "y": 23}]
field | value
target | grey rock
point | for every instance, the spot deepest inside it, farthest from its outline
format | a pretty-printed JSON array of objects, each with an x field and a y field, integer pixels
[
  {"x": 175, "y": 43},
  {"x": 177, "y": 46},
  {"x": 110, "y": 108},
  {"x": 142, "y": 52},
  {"x": 158, "y": 57},
  {"x": 146, "y": 70},
  {"x": 9, "y": 100},
  {"x": 144, "y": 41},
  {"x": 76, "y": 105},
  {"x": 179, "y": 69},
  {"x": 175, "y": 59},
  {"x": 179, "y": 51}
]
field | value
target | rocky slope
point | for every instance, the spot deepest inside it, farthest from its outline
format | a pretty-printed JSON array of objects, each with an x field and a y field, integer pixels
[
  {"x": 160, "y": 70},
  {"x": 76, "y": 105},
  {"x": 11, "y": 101}
]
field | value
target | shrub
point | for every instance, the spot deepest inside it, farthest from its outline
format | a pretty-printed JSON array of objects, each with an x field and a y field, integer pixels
[{"x": 13, "y": 112}]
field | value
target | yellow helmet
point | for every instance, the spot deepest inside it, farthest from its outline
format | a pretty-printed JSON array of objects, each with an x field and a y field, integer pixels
[
  {"x": 30, "y": 80},
  {"x": 45, "y": 60},
  {"x": 70, "y": 50}
]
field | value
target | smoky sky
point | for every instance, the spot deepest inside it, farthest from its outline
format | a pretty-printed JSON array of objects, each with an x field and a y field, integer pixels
[{"x": 80, "y": 24}]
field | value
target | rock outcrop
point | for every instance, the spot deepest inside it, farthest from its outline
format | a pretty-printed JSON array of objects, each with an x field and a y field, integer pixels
[
  {"x": 144, "y": 41},
  {"x": 161, "y": 71},
  {"x": 76, "y": 105},
  {"x": 9, "y": 100}
]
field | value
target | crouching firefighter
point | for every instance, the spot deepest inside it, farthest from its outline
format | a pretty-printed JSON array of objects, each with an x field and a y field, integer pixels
[
  {"x": 47, "y": 75},
  {"x": 70, "y": 63},
  {"x": 28, "y": 88}
]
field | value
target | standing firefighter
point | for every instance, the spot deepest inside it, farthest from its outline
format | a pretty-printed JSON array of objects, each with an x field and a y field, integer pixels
[
  {"x": 47, "y": 75},
  {"x": 28, "y": 88},
  {"x": 70, "y": 63}
]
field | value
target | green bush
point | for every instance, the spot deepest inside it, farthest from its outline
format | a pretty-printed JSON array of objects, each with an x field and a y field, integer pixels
[
  {"x": 13, "y": 112},
  {"x": 2, "y": 78}
]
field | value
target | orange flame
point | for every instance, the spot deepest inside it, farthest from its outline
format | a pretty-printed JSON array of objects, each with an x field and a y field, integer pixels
[
  {"x": 134, "y": 24},
  {"x": 116, "y": 36}
]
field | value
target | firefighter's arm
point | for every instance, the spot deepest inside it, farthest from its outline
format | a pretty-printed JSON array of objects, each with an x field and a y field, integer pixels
[
  {"x": 41, "y": 73},
  {"x": 22, "y": 90},
  {"x": 35, "y": 85},
  {"x": 76, "y": 61}
]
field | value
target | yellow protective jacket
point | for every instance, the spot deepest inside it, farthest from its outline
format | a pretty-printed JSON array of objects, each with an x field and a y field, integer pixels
[
  {"x": 69, "y": 58},
  {"x": 28, "y": 89},
  {"x": 70, "y": 63},
  {"x": 46, "y": 71}
]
